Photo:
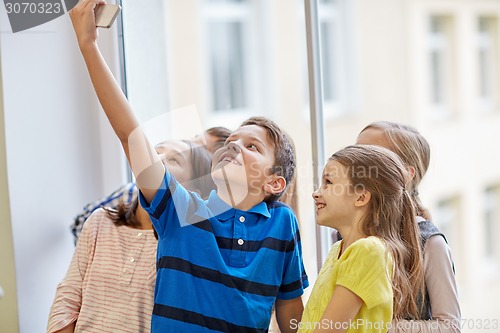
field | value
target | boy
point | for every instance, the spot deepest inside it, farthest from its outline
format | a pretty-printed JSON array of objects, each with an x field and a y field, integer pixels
[{"x": 224, "y": 262}]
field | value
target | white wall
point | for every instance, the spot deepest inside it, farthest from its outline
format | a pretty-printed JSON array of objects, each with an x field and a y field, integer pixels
[
  {"x": 8, "y": 296},
  {"x": 55, "y": 155}
]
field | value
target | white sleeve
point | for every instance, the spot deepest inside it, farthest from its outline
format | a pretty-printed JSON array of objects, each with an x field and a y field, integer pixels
[{"x": 441, "y": 286}]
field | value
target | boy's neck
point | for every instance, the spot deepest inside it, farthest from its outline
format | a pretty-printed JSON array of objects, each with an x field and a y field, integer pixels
[{"x": 239, "y": 199}]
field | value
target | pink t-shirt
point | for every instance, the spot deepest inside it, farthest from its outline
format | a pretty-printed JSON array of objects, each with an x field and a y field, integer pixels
[{"x": 109, "y": 286}]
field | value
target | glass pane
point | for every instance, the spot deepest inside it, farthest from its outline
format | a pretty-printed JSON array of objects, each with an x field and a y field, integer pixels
[
  {"x": 438, "y": 60},
  {"x": 328, "y": 61},
  {"x": 486, "y": 48},
  {"x": 447, "y": 216},
  {"x": 436, "y": 24},
  {"x": 437, "y": 77},
  {"x": 491, "y": 222},
  {"x": 227, "y": 1},
  {"x": 147, "y": 91},
  {"x": 332, "y": 58},
  {"x": 484, "y": 73},
  {"x": 234, "y": 59},
  {"x": 408, "y": 65},
  {"x": 489, "y": 232},
  {"x": 228, "y": 65},
  {"x": 483, "y": 24}
]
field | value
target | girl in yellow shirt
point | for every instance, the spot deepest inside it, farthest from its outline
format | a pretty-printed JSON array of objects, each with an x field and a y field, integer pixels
[{"x": 366, "y": 276}]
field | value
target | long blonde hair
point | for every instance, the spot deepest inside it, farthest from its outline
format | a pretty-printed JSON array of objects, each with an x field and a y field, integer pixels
[
  {"x": 391, "y": 217},
  {"x": 414, "y": 151}
]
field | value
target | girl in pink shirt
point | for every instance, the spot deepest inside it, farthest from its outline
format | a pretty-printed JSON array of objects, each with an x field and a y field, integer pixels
[{"x": 109, "y": 286}]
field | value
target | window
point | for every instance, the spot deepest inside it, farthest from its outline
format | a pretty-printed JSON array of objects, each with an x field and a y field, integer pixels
[
  {"x": 486, "y": 53},
  {"x": 330, "y": 86},
  {"x": 228, "y": 75},
  {"x": 491, "y": 222},
  {"x": 238, "y": 58},
  {"x": 328, "y": 23},
  {"x": 440, "y": 94},
  {"x": 447, "y": 219},
  {"x": 331, "y": 56},
  {"x": 227, "y": 1},
  {"x": 147, "y": 91},
  {"x": 228, "y": 41}
]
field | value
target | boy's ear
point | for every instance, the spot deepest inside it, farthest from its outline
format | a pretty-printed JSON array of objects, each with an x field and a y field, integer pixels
[
  {"x": 276, "y": 185},
  {"x": 363, "y": 199}
]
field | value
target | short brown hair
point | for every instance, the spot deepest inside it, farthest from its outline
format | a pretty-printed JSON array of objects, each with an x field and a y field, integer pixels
[
  {"x": 284, "y": 156},
  {"x": 219, "y": 132}
]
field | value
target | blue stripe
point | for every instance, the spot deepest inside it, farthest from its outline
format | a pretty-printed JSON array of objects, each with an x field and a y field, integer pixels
[
  {"x": 271, "y": 243},
  {"x": 199, "y": 319},
  {"x": 216, "y": 276},
  {"x": 295, "y": 285},
  {"x": 254, "y": 246},
  {"x": 162, "y": 205}
]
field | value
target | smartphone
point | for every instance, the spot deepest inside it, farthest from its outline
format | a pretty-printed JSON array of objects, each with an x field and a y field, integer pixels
[{"x": 105, "y": 15}]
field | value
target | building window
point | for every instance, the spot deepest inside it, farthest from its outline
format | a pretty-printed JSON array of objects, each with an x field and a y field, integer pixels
[
  {"x": 447, "y": 219},
  {"x": 145, "y": 58},
  {"x": 486, "y": 62},
  {"x": 328, "y": 30},
  {"x": 327, "y": 60},
  {"x": 491, "y": 222},
  {"x": 227, "y": 1},
  {"x": 440, "y": 65},
  {"x": 227, "y": 56},
  {"x": 330, "y": 45},
  {"x": 228, "y": 26}
]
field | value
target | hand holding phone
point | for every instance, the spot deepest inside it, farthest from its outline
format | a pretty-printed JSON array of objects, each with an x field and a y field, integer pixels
[{"x": 106, "y": 14}]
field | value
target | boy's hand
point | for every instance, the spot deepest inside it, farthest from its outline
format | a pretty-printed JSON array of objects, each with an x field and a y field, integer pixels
[{"x": 83, "y": 20}]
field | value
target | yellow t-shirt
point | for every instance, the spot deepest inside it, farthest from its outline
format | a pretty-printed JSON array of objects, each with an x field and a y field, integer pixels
[{"x": 365, "y": 268}]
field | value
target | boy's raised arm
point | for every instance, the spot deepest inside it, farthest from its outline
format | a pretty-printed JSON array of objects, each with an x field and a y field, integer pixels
[{"x": 141, "y": 155}]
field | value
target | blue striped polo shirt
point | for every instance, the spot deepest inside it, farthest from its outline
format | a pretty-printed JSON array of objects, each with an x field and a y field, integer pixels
[{"x": 220, "y": 269}]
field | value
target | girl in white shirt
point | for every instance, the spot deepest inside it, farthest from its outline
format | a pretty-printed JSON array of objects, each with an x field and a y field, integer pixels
[{"x": 441, "y": 310}]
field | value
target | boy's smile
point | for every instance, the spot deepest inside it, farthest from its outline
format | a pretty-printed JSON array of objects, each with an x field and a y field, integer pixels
[
  {"x": 230, "y": 159},
  {"x": 227, "y": 155}
]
